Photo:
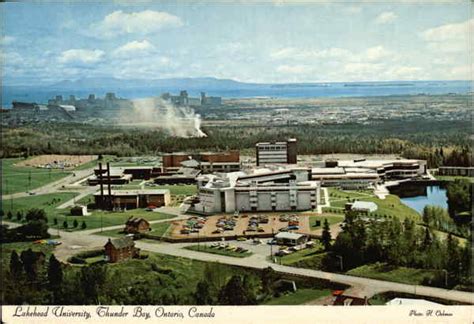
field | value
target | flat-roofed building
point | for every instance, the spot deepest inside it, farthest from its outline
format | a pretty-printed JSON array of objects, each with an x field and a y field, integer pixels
[
  {"x": 456, "y": 171},
  {"x": 290, "y": 239},
  {"x": 131, "y": 199},
  {"x": 386, "y": 169},
  {"x": 276, "y": 152},
  {"x": 263, "y": 190},
  {"x": 345, "y": 178}
]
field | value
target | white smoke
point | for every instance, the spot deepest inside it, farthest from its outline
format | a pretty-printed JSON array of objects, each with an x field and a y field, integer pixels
[{"x": 156, "y": 112}]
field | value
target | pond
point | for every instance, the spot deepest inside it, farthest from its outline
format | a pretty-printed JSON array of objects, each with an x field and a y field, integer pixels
[{"x": 419, "y": 195}]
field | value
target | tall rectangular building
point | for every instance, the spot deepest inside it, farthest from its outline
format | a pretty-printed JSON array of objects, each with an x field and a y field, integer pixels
[{"x": 276, "y": 152}]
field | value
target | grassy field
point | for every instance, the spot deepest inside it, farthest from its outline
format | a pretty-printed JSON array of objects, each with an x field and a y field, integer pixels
[
  {"x": 16, "y": 179},
  {"x": 390, "y": 206},
  {"x": 299, "y": 297},
  {"x": 332, "y": 219},
  {"x": 186, "y": 190},
  {"x": 301, "y": 255},
  {"x": 392, "y": 273},
  {"x": 208, "y": 249},
  {"x": 49, "y": 202}
]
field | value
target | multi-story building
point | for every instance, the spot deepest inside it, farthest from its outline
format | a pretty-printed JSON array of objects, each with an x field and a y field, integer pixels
[
  {"x": 276, "y": 152},
  {"x": 207, "y": 162},
  {"x": 261, "y": 191}
]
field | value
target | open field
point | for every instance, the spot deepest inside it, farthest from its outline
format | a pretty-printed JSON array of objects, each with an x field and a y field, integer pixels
[
  {"x": 220, "y": 251},
  {"x": 24, "y": 178},
  {"x": 392, "y": 273},
  {"x": 158, "y": 229},
  {"x": 96, "y": 219},
  {"x": 302, "y": 254},
  {"x": 299, "y": 297},
  {"x": 332, "y": 219},
  {"x": 67, "y": 161}
]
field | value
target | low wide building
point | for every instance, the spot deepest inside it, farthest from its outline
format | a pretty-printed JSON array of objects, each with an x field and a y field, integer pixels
[{"x": 131, "y": 199}]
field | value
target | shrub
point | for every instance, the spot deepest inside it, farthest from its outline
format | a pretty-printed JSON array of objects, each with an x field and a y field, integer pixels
[
  {"x": 83, "y": 225},
  {"x": 9, "y": 215},
  {"x": 75, "y": 224},
  {"x": 65, "y": 224},
  {"x": 19, "y": 216}
]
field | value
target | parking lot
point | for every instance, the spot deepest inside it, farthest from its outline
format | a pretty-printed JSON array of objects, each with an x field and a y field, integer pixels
[{"x": 248, "y": 225}]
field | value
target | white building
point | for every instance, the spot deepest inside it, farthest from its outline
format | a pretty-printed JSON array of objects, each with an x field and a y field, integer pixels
[
  {"x": 263, "y": 190},
  {"x": 364, "y": 206}
]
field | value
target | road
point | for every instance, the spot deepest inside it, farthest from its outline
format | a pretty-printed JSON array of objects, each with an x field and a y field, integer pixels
[
  {"x": 56, "y": 186},
  {"x": 74, "y": 242}
]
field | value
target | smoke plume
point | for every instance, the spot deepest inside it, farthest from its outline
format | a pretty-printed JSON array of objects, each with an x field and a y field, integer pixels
[{"x": 156, "y": 112}]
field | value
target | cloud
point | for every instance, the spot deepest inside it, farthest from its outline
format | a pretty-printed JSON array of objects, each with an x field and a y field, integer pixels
[
  {"x": 6, "y": 40},
  {"x": 304, "y": 54},
  {"x": 134, "y": 48},
  {"x": 144, "y": 22},
  {"x": 293, "y": 69},
  {"x": 377, "y": 53},
  {"x": 81, "y": 56},
  {"x": 386, "y": 17},
  {"x": 449, "y": 38},
  {"x": 449, "y": 32}
]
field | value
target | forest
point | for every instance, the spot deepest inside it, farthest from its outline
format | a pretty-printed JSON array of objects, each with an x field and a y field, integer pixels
[{"x": 438, "y": 142}]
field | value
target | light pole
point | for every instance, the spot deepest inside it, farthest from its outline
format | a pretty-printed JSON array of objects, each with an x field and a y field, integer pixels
[
  {"x": 340, "y": 260},
  {"x": 445, "y": 277}
]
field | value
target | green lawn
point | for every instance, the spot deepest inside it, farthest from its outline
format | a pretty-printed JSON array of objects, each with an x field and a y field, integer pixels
[
  {"x": 386, "y": 272},
  {"x": 390, "y": 206},
  {"x": 332, "y": 219},
  {"x": 302, "y": 255},
  {"x": 48, "y": 202},
  {"x": 16, "y": 179},
  {"x": 94, "y": 220},
  {"x": 208, "y": 249},
  {"x": 299, "y": 297}
]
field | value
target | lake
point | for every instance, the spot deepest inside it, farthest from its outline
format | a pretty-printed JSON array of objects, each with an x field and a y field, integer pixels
[{"x": 417, "y": 196}]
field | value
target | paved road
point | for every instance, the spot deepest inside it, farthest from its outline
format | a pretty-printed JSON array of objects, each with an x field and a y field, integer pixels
[{"x": 361, "y": 287}]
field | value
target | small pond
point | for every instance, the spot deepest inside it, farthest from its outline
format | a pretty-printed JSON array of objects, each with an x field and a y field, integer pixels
[{"x": 419, "y": 195}]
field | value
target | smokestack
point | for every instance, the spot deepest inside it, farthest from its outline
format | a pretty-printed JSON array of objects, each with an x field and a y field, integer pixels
[
  {"x": 109, "y": 205},
  {"x": 101, "y": 182}
]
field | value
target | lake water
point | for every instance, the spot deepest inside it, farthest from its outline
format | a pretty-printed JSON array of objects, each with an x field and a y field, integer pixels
[
  {"x": 419, "y": 196},
  {"x": 335, "y": 89}
]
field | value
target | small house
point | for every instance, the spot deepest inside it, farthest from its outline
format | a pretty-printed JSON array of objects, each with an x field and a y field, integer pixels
[
  {"x": 120, "y": 249},
  {"x": 79, "y": 210},
  {"x": 362, "y": 206},
  {"x": 136, "y": 225}
]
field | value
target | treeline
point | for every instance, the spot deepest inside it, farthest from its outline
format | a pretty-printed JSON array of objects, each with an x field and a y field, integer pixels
[
  {"x": 35, "y": 228},
  {"x": 438, "y": 218},
  {"x": 441, "y": 143},
  {"x": 31, "y": 280},
  {"x": 399, "y": 243},
  {"x": 460, "y": 204}
]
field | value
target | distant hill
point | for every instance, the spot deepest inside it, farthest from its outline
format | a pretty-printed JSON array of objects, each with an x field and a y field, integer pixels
[{"x": 171, "y": 83}]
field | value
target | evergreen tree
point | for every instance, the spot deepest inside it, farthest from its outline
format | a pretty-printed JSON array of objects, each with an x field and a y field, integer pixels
[
  {"x": 19, "y": 216},
  {"x": 16, "y": 266},
  {"x": 326, "y": 236},
  {"x": 83, "y": 225},
  {"x": 65, "y": 225},
  {"x": 55, "y": 273},
  {"x": 233, "y": 292},
  {"x": 9, "y": 215},
  {"x": 203, "y": 293},
  {"x": 75, "y": 224}
]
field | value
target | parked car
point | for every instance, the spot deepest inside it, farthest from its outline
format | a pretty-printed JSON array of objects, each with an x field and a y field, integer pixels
[{"x": 241, "y": 238}]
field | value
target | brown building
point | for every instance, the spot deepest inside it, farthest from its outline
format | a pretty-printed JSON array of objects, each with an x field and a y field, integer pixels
[
  {"x": 173, "y": 160},
  {"x": 120, "y": 249},
  {"x": 131, "y": 199},
  {"x": 136, "y": 225}
]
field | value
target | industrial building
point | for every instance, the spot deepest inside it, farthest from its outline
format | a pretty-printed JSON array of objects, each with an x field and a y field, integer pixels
[
  {"x": 346, "y": 178},
  {"x": 179, "y": 176},
  {"x": 264, "y": 190},
  {"x": 131, "y": 199},
  {"x": 388, "y": 169},
  {"x": 276, "y": 152},
  {"x": 184, "y": 100}
]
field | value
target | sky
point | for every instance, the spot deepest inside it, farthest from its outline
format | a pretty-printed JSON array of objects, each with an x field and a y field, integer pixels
[{"x": 264, "y": 42}]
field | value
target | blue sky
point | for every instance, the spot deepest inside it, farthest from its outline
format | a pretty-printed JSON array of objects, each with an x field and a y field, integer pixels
[{"x": 268, "y": 41}]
